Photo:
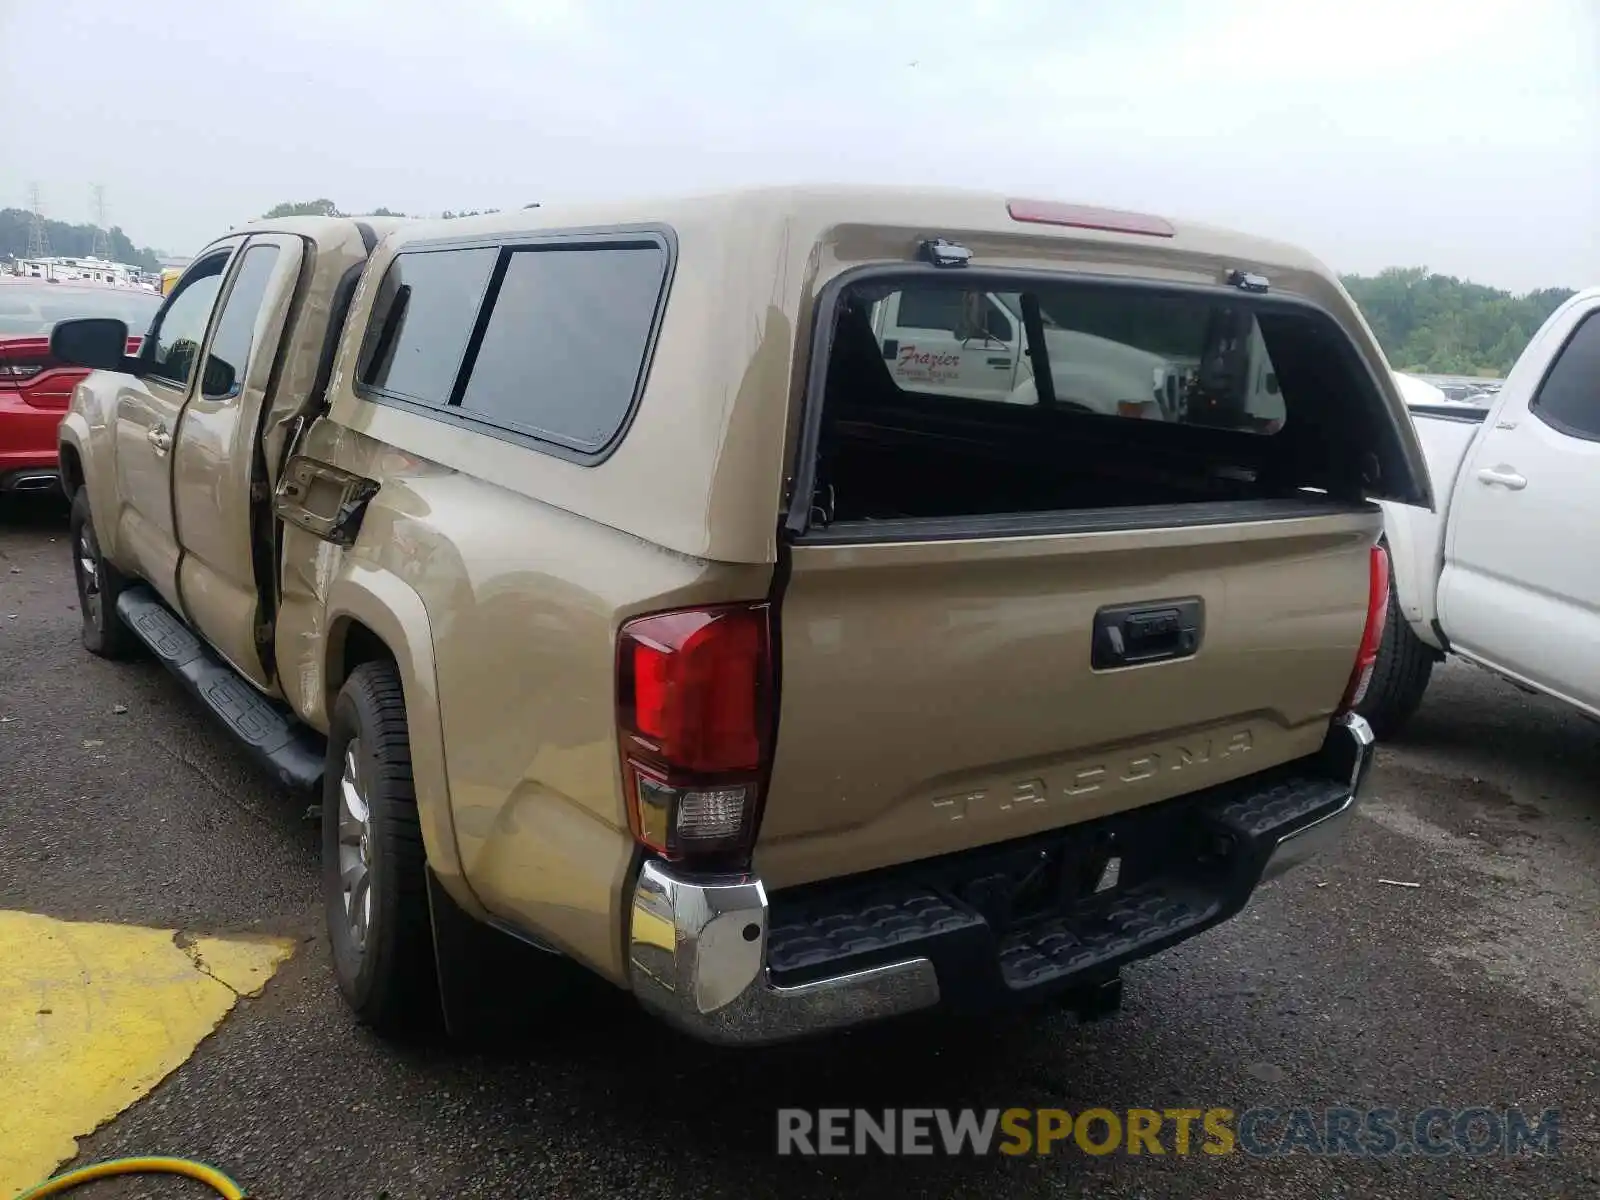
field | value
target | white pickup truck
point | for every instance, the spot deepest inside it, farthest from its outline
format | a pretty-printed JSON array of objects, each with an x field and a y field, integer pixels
[
  {"x": 976, "y": 345},
  {"x": 1506, "y": 571}
]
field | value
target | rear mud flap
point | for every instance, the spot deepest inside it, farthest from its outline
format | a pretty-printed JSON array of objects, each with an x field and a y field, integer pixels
[{"x": 496, "y": 986}]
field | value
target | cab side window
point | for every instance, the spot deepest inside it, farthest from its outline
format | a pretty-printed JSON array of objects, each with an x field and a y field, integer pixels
[
  {"x": 1569, "y": 398},
  {"x": 564, "y": 348},
  {"x": 421, "y": 318},
  {"x": 548, "y": 340},
  {"x": 930, "y": 308},
  {"x": 236, "y": 326},
  {"x": 948, "y": 310},
  {"x": 181, "y": 329}
]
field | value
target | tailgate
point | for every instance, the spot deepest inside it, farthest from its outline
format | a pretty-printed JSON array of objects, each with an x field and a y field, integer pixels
[{"x": 940, "y": 695}]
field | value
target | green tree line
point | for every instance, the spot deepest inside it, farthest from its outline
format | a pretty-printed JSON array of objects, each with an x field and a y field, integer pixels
[
  {"x": 1441, "y": 325},
  {"x": 73, "y": 241}
]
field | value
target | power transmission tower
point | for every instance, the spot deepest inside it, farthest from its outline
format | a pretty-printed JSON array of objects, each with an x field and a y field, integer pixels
[
  {"x": 38, "y": 237},
  {"x": 102, "y": 238}
]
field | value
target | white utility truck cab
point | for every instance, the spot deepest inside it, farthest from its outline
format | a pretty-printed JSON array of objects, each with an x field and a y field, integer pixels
[{"x": 977, "y": 345}]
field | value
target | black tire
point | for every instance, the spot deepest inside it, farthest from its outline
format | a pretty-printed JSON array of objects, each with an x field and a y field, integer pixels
[
  {"x": 388, "y": 975},
  {"x": 103, "y": 633},
  {"x": 1400, "y": 677}
]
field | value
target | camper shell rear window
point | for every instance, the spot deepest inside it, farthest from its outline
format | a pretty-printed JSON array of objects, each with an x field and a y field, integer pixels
[{"x": 940, "y": 395}]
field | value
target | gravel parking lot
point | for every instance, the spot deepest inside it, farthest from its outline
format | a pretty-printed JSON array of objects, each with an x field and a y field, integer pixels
[{"x": 121, "y": 802}]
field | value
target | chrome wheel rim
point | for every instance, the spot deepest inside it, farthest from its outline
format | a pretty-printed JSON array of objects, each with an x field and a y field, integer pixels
[
  {"x": 88, "y": 564},
  {"x": 355, "y": 848}
]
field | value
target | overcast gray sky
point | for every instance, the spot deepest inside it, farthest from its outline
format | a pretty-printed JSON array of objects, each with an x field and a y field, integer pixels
[{"x": 1463, "y": 135}]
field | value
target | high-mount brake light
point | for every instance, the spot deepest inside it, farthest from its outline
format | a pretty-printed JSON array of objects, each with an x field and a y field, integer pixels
[
  {"x": 1372, "y": 632},
  {"x": 694, "y": 725},
  {"x": 1080, "y": 216}
]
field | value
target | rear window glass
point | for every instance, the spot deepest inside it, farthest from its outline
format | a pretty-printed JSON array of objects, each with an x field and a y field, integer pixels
[
  {"x": 421, "y": 320},
  {"x": 1132, "y": 354},
  {"x": 566, "y": 341},
  {"x": 1087, "y": 396}
]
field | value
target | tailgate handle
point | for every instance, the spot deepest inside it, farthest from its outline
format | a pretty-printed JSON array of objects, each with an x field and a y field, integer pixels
[{"x": 1126, "y": 635}]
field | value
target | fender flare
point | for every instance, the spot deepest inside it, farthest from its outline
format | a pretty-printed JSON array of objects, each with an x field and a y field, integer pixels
[
  {"x": 1412, "y": 535},
  {"x": 77, "y": 437},
  {"x": 73, "y": 434},
  {"x": 393, "y": 611}
]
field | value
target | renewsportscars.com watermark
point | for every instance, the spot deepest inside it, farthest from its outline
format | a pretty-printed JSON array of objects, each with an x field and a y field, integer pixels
[{"x": 1258, "y": 1132}]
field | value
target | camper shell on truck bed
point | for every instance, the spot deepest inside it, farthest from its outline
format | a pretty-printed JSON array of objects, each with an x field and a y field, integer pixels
[{"x": 625, "y": 593}]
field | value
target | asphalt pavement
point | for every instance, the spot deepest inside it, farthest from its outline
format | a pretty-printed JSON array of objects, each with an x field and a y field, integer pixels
[{"x": 121, "y": 802}]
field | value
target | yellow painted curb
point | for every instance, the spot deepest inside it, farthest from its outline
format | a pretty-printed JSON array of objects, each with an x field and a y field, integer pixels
[{"x": 93, "y": 1016}]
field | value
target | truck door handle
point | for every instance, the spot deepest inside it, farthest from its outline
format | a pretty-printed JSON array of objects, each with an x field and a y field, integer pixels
[
  {"x": 1126, "y": 635},
  {"x": 1504, "y": 477},
  {"x": 159, "y": 438}
]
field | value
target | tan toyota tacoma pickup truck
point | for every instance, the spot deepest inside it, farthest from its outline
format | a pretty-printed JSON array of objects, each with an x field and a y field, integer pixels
[{"x": 635, "y": 599}]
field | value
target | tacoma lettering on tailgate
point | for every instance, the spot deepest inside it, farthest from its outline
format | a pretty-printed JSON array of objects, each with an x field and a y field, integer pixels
[{"x": 1093, "y": 777}]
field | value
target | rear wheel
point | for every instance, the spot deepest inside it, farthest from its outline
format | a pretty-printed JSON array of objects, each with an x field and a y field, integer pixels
[
  {"x": 99, "y": 585},
  {"x": 373, "y": 865},
  {"x": 1400, "y": 677}
]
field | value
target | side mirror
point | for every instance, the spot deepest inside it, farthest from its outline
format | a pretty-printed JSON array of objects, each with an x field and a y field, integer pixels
[
  {"x": 219, "y": 378},
  {"x": 99, "y": 343}
]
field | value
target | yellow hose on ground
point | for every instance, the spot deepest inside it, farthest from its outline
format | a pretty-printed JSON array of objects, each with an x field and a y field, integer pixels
[{"x": 210, "y": 1176}]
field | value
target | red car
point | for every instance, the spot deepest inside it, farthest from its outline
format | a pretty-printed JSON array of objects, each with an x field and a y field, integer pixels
[{"x": 34, "y": 389}]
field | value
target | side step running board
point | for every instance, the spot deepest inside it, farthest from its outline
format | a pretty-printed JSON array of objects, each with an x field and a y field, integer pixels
[{"x": 292, "y": 751}]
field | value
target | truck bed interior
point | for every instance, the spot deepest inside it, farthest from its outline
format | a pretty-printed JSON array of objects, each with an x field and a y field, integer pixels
[{"x": 888, "y": 454}]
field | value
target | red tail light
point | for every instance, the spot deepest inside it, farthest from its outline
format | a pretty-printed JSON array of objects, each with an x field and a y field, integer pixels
[
  {"x": 1372, "y": 633},
  {"x": 694, "y": 716},
  {"x": 26, "y": 367},
  {"x": 23, "y": 358}
]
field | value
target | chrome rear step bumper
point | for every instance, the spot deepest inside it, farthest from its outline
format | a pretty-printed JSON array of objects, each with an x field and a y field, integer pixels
[{"x": 718, "y": 958}]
